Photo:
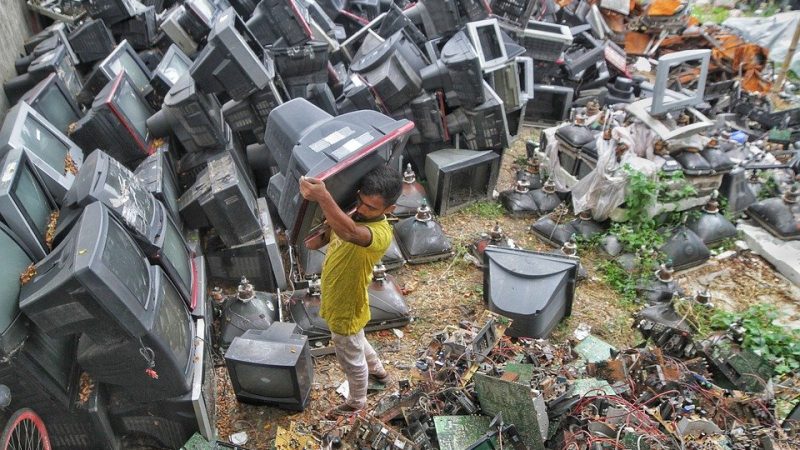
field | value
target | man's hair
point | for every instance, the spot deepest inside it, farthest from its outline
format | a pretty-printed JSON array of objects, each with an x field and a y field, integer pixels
[{"x": 383, "y": 181}]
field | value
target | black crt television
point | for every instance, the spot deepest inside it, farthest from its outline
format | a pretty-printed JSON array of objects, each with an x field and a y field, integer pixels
[
  {"x": 251, "y": 113},
  {"x": 169, "y": 423},
  {"x": 54, "y": 102},
  {"x": 140, "y": 29},
  {"x": 166, "y": 348},
  {"x": 230, "y": 205},
  {"x": 173, "y": 65},
  {"x": 54, "y": 155},
  {"x": 272, "y": 366},
  {"x": 259, "y": 260},
  {"x": 110, "y": 11},
  {"x": 457, "y": 178},
  {"x": 338, "y": 150},
  {"x": 117, "y": 122},
  {"x": 457, "y": 71},
  {"x": 92, "y": 41},
  {"x": 194, "y": 117},
  {"x": 233, "y": 61},
  {"x": 56, "y": 61},
  {"x": 98, "y": 282},
  {"x": 280, "y": 19},
  {"x": 484, "y": 126},
  {"x": 25, "y": 204},
  {"x": 123, "y": 59}
]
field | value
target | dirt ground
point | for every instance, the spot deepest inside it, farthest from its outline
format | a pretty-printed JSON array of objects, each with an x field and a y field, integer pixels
[{"x": 446, "y": 292}]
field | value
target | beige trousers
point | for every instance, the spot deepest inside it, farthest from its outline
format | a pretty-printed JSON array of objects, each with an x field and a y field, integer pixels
[{"x": 358, "y": 359}]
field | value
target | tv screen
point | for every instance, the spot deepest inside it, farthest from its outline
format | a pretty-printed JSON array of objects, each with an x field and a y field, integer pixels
[
  {"x": 54, "y": 102},
  {"x": 271, "y": 366},
  {"x": 55, "y": 156},
  {"x": 96, "y": 281},
  {"x": 125, "y": 59},
  {"x": 173, "y": 65},
  {"x": 174, "y": 256},
  {"x": 25, "y": 204},
  {"x": 135, "y": 110}
]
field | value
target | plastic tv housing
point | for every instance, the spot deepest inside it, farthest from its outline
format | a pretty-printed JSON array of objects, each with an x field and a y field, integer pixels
[
  {"x": 98, "y": 283},
  {"x": 272, "y": 366},
  {"x": 53, "y": 154},
  {"x": 123, "y": 59}
]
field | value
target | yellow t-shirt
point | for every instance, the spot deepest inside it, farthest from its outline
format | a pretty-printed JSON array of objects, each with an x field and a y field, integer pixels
[{"x": 346, "y": 274}]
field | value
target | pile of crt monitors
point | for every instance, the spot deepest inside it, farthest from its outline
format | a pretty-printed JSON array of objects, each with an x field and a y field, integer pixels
[{"x": 153, "y": 151}]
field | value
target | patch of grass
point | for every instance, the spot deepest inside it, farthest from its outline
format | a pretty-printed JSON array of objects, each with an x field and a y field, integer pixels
[
  {"x": 710, "y": 14},
  {"x": 619, "y": 279},
  {"x": 485, "y": 210}
]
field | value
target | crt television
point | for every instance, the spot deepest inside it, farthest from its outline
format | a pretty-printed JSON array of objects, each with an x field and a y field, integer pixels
[
  {"x": 125, "y": 59},
  {"x": 173, "y": 65},
  {"x": 457, "y": 178},
  {"x": 122, "y": 361},
  {"x": 157, "y": 175},
  {"x": 54, "y": 102},
  {"x": 117, "y": 122},
  {"x": 339, "y": 150},
  {"x": 25, "y": 205},
  {"x": 54, "y": 155},
  {"x": 104, "y": 179},
  {"x": 232, "y": 61},
  {"x": 272, "y": 366}
]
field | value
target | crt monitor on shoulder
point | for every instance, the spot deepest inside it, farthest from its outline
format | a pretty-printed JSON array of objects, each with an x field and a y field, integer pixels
[
  {"x": 272, "y": 366},
  {"x": 338, "y": 150},
  {"x": 25, "y": 205},
  {"x": 54, "y": 155}
]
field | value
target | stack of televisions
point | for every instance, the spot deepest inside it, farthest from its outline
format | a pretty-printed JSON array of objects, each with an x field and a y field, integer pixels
[{"x": 153, "y": 146}]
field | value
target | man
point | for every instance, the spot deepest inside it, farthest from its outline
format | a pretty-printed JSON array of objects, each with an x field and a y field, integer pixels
[{"x": 356, "y": 244}]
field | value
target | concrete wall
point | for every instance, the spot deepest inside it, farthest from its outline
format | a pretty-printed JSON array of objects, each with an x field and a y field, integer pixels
[{"x": 14, "y": 29}]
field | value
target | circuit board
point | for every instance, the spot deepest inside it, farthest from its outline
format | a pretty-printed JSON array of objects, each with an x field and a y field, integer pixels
[{"x": 459, "y": 432}]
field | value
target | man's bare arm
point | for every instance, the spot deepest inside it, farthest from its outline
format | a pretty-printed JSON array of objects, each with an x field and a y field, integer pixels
[{"x": 342, "y": 224}]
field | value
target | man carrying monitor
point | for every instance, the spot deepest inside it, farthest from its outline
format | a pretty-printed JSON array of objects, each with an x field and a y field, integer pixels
[{"x": 356, "y": 243}]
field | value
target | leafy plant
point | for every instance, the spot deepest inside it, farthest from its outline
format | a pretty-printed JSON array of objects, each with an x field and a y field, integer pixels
[
  {"x": 640, "y": 194},
  {"x": 769, "y": 186},
  {"x": 774, "y": 342}
]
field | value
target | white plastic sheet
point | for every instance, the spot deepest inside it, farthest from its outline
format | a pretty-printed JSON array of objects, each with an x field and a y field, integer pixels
[
  {"x": 774, "y": 32},
  {"x": 603, "y": 189}
]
